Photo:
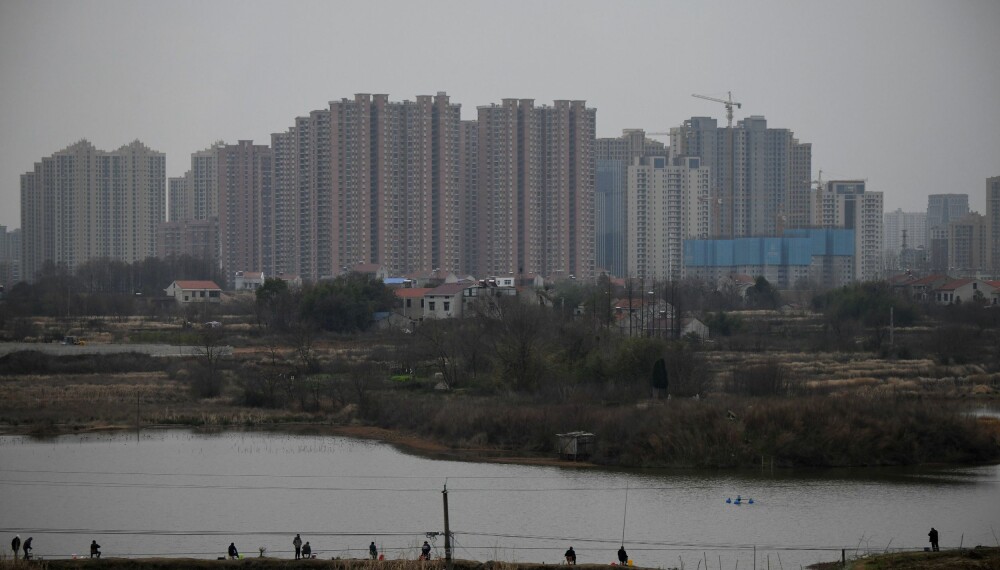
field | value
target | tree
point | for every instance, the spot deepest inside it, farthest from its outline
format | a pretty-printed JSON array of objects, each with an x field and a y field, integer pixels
[
  {"x": 208, "y": 384},
  {"x": 520, "y": 337},
  {"x": 867, "y": 303},
  {"x": 659, "y": 378},
  {"x": 345, "y": 304},
  {"x": 762, "y": 295},
  {"x": 275, "y": 304}
]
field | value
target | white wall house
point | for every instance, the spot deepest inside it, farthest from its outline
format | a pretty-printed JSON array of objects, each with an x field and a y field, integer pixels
[{"x": 194, "y": 292}]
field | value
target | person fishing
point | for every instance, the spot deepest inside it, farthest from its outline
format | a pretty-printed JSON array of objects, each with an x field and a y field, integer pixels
[
  {"x": 95, "y": 549},
  {"x": 233, "y": 553},
  {"x": 297, "y": 543},
  {"x": 933, "y": 536},
  {"x": 27, "y": 548},
  {"x": 307, "y": 550},
  {"x": 425, "y": 551},
  {"x": 373, "y": 551},
  {"x": 15, "y": 545},
  {"x": 570, "y": 556},
  {"x": 622, "y": 556}
]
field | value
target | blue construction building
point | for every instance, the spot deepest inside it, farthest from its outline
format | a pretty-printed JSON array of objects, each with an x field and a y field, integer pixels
[{"x": 824, "y": 256}]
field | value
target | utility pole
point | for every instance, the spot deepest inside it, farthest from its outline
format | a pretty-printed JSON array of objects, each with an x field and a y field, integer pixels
[{"x": 447, "y": 531}]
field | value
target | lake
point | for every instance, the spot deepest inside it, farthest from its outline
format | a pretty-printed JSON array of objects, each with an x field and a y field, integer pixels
[{"x": 182, "y": 493}]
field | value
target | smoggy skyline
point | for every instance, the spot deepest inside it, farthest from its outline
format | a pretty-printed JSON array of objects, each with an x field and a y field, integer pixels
[{"x": 900, "y": 93}]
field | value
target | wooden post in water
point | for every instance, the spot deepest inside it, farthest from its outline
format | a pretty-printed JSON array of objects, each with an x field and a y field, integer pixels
[{"x": 447, "y": 531}]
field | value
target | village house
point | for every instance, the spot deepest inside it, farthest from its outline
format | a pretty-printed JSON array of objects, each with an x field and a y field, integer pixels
[
  {"x": 445, "y": 301},
  {"x": 411, "y": 302},
  {"x": 194, "y": 292},
  {"x": 964, "y": 291},
  {"x": 249, "y": 280}
]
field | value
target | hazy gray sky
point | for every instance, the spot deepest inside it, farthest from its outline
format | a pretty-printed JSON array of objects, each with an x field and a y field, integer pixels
[{"x": 903, "y": 93}]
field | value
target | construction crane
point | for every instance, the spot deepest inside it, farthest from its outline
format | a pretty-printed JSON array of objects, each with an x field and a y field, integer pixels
[{"x": 727, "y": 102}]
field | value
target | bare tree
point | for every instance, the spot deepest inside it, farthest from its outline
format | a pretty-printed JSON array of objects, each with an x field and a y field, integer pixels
[{"x": 208, "y": 384}]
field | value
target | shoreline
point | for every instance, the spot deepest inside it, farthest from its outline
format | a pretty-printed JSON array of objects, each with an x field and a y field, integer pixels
[
  {"x": 423, "y": 447},
  {"x": 406, "y": 442}
]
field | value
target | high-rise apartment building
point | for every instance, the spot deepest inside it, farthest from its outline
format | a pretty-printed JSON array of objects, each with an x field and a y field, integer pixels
[
  {"x": 244, "y": 184},
  {"x": 369, "y": 181},
  {"x": 667, "y": 204},
  {"x": 536, "y": 189},
  {"x": 905, "y": 235},
  {"x": 968, "y": 247},
  {"x": 908, "y": 227},
  {"x": 469, "y": 194},
  {"x": 196, "y": 238},
  {"x": 993, "y": 223},
  {"x": 760, "y": 176},
  {"x": 847, "y": 204},
  {"x": 10, "y": 256},
  {"x": 82, "y": 203},
  {"x": 195, "y": 196},
  {"x": 942, "y": 209},
  {"x": 614, "y": 156}
]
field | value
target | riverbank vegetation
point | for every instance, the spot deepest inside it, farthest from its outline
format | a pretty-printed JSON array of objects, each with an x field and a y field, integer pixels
[{"x": 829, "y": 382}]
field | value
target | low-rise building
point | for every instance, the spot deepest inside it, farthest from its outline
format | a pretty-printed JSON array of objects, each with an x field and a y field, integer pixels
[
  {"x": 964, "y": 291},
  {"x": 249, "y": 280},
  {"x": 194, "y": 292}
]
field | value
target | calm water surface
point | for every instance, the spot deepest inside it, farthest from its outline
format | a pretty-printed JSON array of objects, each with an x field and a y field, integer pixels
[{"x": 176, "y": 493}]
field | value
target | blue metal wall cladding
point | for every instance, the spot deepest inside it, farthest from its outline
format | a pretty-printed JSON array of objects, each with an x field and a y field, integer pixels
[{"x": 797, "y": 247}]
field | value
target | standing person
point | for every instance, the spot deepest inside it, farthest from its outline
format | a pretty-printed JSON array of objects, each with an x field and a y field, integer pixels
[
  {"x": 27, "y": 548},
  {"x": 307, "y": 551},
  {"x": 570, "y": 556},
  {"x": 297, "y": 543},
  {"x": 425, "y": 551},
  {"x": 373, "y": 551},
  {"x": 933, "y": 535},
  {"x": 233, "y": 553},
  {"x": 15, "y": 545},
  {"x": 622, "y": 556},
  {"x": 95, "y": 549}
]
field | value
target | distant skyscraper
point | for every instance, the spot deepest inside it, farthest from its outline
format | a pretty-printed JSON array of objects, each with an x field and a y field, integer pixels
[
  {"x": 760, "y": 177},
  {"x": 82, "y": 203},
  {"x": 614, "y": 156},
  {"x": 536, "y": 189},
  {"x": 244, "y": 183},
  {"x": 195, "y": 196},
  {"x": 369, "y": 181},
  {"x": 196, "y": 238},
  {"x": 847, "y": 204},
  {"x": 667, "y": 204},
  {"x": 993, "y": 223},
  {"x": 968, "y": 246},
  {"x": 469, "y": 194},
  {"x": 904, "y": 230},
  {"x": 942, "y": 209},
  {"x": 10, "y": 256},
  {"x": 914, "y": 224}
]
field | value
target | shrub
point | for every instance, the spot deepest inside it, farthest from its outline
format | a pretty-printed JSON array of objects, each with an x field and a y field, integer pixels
[{"x": 766, "y": 379}]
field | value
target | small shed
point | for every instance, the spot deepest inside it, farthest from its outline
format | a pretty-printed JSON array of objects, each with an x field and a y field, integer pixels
[{"x": 576, "y": 444}]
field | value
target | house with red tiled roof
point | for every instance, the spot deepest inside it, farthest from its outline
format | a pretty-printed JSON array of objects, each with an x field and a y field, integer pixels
[
  {"x": 194, "y": 292},
  {"x": 922, "y": 288},
  {"x": 995, "y": 297},
  {"x": 964, "y": 291},
  {"x": 410, "y": 301}
]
